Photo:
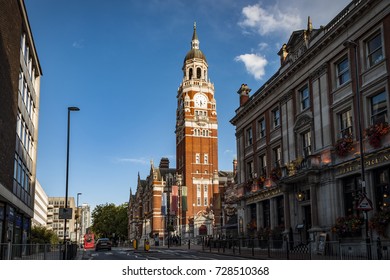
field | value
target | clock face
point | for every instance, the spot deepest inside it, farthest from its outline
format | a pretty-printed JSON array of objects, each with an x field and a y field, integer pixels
[{"x": 200, "y": 101}]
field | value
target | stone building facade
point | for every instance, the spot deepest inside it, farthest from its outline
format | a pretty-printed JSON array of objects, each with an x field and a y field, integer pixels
[{"x": 299, "y": 144}]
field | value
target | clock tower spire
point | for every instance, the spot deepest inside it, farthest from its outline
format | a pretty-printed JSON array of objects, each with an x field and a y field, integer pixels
[{"x": 196, "y": 143}]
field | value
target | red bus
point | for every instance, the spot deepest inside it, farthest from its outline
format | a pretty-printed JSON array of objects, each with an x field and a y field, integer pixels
[{"x": 89, "y": 241}]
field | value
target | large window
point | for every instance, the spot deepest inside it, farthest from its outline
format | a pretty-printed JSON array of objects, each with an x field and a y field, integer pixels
[
  {"x": 276, "y": 117},
  {"x": 374, "y": 49},
  {"x": 345, "y": 124},
  {"x": 379, "y": 108},
  {"x": 382, "y": 189},
  {"x": 249, "y": 136},
  {"x": 249, "y": 169},
  {"x": 261, "y": 128},
  {"x": 263, "y": 165},
  {"x": 197, "y": 158},
  {"x": 280, "y": 210},
  {"x": 342, "y": 69},
  {"x": 205, "y": 195},
  {"x": 352, "y": 189},
  {"x": 198, "y": 195},
  {"x": 306, "y": 143},
  {"x": 277, "y": 154},
  {"x": 304, "y": 97}
]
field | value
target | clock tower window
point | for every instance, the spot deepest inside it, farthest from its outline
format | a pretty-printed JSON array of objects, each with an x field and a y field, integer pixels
[
  {"x": 205, "y": 195},
  {"x": 198, "y": 194},
  {"x": 190, "y": 74},
  {"x": 198, "y": 73}
]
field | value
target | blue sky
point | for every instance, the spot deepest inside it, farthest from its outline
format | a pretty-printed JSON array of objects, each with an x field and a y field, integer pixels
[{"x": 120, "y": 62}]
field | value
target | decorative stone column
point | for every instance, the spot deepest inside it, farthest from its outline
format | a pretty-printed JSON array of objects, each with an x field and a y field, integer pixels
[{"x": 259, "y": 215}]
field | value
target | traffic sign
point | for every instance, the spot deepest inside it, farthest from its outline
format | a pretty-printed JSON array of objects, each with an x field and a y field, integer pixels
[
  {"x": 365, "y": 204},
  {"x": 65, "y": 213}
]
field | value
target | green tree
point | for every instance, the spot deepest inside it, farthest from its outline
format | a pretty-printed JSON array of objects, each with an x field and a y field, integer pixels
[
  {"x": 110, "y": 221},
  {"x": 40, "y": 234}
]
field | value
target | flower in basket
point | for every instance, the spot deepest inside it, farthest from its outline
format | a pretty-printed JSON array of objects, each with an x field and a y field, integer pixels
[
  {"x": 276, "y": 173},
  {"x": 376, "y": 132},
  {"x": 380, "y": 221},
  {"x": 264, "y": 233},
  {"x": 348, "y": 226},
  {"x": 261, "y": 179},
  {"x": 251, "y": 226},
  {"x": 344, "y": 145}
]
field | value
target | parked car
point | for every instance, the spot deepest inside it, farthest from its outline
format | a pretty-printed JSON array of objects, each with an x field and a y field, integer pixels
[{"x": 103, "y": 243}]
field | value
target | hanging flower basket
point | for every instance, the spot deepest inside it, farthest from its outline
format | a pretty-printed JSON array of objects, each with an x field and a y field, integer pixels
[
  {"x": 376, "y": 132},
  {"x": 380, "y": 221},
  {"x": 348, "y": 226},
  {"x": 276, "y": 173},
  {"x": 343, "y": 146}
]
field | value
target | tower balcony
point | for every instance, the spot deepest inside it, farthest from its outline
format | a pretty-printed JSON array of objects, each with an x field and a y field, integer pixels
[
  {"x": 197, "y": 83},
  {"x": 201, "y": 118}
]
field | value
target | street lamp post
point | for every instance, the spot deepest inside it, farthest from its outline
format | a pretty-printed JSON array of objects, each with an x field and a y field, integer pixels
[
  {"x": 67, "y": 172},
  {"x": 169, "y": 184},
  {"x": 179, "y": 183},
  {"x": 77, "y": 220},
  {"x": 350, "y": 43}
]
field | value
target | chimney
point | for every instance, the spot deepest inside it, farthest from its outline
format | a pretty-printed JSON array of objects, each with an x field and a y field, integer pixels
[
  {"x": 234, "y": 167},
  {"x": 244, "y": 94}
]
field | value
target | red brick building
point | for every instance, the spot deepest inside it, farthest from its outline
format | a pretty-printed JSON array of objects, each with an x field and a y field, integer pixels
[{"x": 191, "y": 191}]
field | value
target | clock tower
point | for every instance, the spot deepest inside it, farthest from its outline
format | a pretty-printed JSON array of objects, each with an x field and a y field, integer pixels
[{"x": 196, "y": 144}]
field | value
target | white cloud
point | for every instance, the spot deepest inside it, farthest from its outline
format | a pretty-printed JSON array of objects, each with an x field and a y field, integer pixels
[
  {"x": 266, "y": 21},
  {"x": 78, "y": 44},
  {"x": 133, "y": 160},
  {"x": 263, "y": 46},
  {"x": 254, "y": 64}
]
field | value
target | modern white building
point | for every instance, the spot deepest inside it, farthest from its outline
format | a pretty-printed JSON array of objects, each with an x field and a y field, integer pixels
[
  {"x": 41, "y": 202},
  {"x": 85, "y": 220},
  {"x": 57, "y": 224}
]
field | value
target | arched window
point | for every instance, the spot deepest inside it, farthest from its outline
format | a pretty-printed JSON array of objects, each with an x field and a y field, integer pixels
[
  {"x": 190, "y": 74},
  {"x": 198, "y": 73}
]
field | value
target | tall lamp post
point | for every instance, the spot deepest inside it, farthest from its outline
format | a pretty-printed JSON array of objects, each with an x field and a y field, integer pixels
[
  {"x": 179, "y": 183},
  {"x": 67, "y": 171},
  {"x": 350, "y": 44},
  {"x": 169, "y": 185},
  {"x": 77, "y": 220}
]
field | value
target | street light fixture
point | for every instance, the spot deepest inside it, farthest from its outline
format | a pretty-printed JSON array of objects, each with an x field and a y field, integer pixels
[
  {"x": 350, "y": 44},
  {"x": 67, "y": 171},
  {"x": 169, "y": 179}
]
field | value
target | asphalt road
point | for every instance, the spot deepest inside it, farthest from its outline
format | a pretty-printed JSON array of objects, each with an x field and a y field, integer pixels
[{"x": 161, "y": 253}]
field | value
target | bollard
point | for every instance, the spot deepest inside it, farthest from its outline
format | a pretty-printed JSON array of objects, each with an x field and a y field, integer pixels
[
  {"x": 146, "y": 245},
  {"x": 189, "y": 244}
]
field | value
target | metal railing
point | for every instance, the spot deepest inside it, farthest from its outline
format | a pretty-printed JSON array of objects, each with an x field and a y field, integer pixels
[
  {"x": 9, "y": 251},
  {"x": 283, "y": 249}
]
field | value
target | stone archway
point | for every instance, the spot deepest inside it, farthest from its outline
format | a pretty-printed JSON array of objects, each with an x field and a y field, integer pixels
[{"x": 202, "y": 230}]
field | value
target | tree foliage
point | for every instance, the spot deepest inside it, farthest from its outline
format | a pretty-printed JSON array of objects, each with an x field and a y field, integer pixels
[
  {"x": 41, "y": 235},
  {"x": 110, "y": 221}
]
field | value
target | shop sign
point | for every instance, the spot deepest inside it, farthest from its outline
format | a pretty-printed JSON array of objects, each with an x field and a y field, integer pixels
[
  {"x": 264, "y": 195},
  {"x": 370, "y": 161}
]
